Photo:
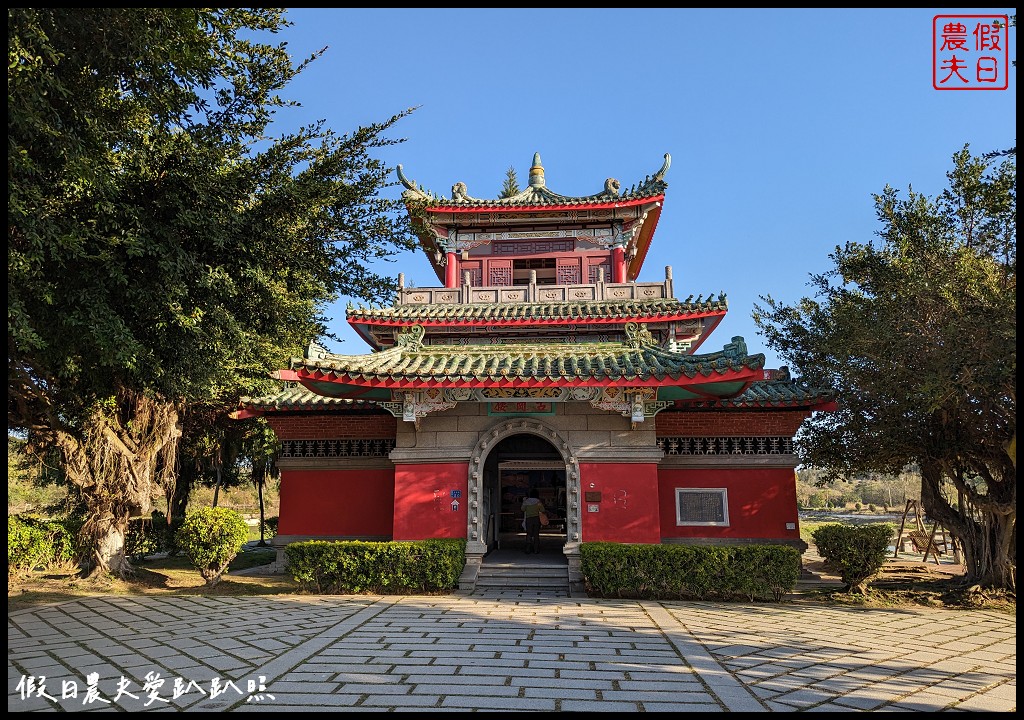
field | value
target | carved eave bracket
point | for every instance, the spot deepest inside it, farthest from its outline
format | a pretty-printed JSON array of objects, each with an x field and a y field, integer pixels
[
  {"x": 637, "y": 405},
  {"x": 417, "y": 405}
]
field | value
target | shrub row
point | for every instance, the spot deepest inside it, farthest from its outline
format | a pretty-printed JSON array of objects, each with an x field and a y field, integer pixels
[
  {"x": 690, "y": 572},
  {"x": 355, "y": 566},
  {"x": 34, "y": 543}
]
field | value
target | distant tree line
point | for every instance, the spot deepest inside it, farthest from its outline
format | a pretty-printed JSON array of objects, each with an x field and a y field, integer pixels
[{"x": 870, "y": 491}]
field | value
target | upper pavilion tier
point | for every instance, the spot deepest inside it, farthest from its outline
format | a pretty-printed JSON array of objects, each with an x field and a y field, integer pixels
[{"x": 612, "y": 228}]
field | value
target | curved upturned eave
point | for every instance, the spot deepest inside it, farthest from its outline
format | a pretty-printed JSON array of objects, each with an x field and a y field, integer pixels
[
  {"x": 643, "y": 243},
  {"x": 400, "y": 383},
  {"x": 295, "y": 400}
]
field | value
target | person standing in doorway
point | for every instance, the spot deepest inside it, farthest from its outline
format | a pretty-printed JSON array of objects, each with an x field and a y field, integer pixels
[{"x": 532, "y": 508}]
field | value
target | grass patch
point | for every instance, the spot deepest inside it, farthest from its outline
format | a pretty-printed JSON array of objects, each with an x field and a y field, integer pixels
[{"x": 166, "y": 576}]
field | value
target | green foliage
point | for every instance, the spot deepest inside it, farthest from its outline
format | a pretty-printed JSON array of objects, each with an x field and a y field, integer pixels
[
  {"x": 511, "y": 184},
  {"x": 348, "y": 567},
  {"x": 151, "y": 535},
  {"x": 916, "y": 335},
  {"x": 33, "y": 485},
  {"x": 857, "y": 552},
  {"x": 270, "y": 526},
  {"x": 34, "y": 543},
  {"x": 211, "y": 538},
  {"x": 166, "y": 246},
  {"x": 142, "y": 539},
  {"x": 664, "y": 572}
]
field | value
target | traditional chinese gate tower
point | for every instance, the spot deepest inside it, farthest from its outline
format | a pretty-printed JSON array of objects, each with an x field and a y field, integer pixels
[{"x": 541, "y": 363}]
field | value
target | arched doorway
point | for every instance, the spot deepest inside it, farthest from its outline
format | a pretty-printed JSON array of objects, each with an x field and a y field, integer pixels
[
  {"x": 515, "y": 466},
  {"x": 482, "y": 526}
]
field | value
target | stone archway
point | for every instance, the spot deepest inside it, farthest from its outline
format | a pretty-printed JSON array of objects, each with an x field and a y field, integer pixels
[{"x": 476, "y": 546}]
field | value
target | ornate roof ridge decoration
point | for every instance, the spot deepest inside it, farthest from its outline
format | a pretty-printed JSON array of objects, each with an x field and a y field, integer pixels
[
  {"x": 540, "y": 310},
  {"x": 537, "y": 192},
  {"x": 410, "y": 340},
  {"x": 316, "y": 356},
  {"x": 638, "y": 336}
]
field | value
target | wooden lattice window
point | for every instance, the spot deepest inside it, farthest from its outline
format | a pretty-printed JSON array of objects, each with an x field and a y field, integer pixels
[
  {"x": 532, "y": 247},
  {"x": 567, "y": 272},
  {"x": 594, "y": 272},
  {"x": 476, "y": 273},
  {"x": 499, "y": 272}
]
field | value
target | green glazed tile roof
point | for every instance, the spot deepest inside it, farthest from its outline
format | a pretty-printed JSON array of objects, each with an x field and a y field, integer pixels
[
  {"x": 654, "y": 310},
  {"x": 411, "y": 362},
  {"x": 299, "y": 398},
  {"x": 780, "y": 391},
  {"x": 537, "y": 193}
]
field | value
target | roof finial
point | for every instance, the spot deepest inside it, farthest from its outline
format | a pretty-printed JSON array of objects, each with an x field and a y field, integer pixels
[{"x": 536, "y": 172}]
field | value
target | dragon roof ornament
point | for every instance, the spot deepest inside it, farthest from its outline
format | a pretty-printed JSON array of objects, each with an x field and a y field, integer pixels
[{"x": 537, "y": 192}]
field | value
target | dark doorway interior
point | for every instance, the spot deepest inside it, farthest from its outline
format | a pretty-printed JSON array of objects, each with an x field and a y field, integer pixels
[{"x": 519, "y": 464}]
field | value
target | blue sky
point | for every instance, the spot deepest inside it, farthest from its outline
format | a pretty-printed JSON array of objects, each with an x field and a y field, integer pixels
[{"x": 781, "y": 123}]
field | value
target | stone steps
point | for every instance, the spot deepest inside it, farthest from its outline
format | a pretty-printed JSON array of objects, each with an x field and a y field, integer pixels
[{"x": 547, "y": 576}]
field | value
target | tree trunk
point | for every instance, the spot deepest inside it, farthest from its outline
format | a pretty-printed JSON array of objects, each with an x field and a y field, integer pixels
[
  {"x": 109, "y": 555},
  {"x": 114, "y": 459},
  {"x": 988, "y": 537},
  {"x": 260, "y": 480},
  {"x": 182, "y": 491},
  {"x": 216, "y": 488}
]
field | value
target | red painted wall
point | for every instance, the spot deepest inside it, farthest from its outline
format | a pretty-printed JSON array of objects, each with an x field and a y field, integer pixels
[
  {"x": 333, "y": 427},
  {"x": 337, "y": 502},
  {"x": 761, "y": 502},
  {"x": 423, "y": 501},
  {"x": 729, "y": 423},
  {"x": 628, "y": 509}
]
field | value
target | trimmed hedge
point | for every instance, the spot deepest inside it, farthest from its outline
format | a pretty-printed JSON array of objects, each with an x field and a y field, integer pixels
[
  {"x": 211, "y": 538},
  {"x": 856, "y": 552},
  {"x": 354, "y": 566},
  {"x": 33, "y": 543},
  {"x": 690, "y": 572}
]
